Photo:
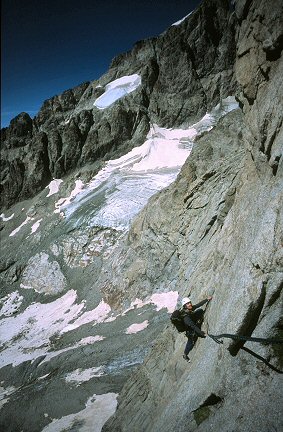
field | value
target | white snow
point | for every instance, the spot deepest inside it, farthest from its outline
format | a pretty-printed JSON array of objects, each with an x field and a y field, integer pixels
[
  {"x": 53, "y": 186},
  {"x": 99, "y": 408},
  {"x": 79, "y": 186},
  {"x": 135, "y": 328},
  {"x": 117, "y": 89},
  {"x": 228, "y": 104},
  {"x": 81, "y": 375},
  {"x": 122, "y": 188},
  {"x": 5, "y": 219},
  {"x": 129, "y": 181},
  {"x": 11, "y": 303},
  {"x": 43, "y": 376},
  {"x": 35, "y": 226},
  {"x": 164, "y": 148},
  {"x": 137, "y": 303},
  {"x": 4, "y": 392},
  {"x": 26, "y": 336},
  {"x": 181, "y": 20},
  {"x": 98, "y": 315},
  {"x": 166, "y": 300},
  {"x": 110, "y": 319},
  {"x": 19, "y": 227}
]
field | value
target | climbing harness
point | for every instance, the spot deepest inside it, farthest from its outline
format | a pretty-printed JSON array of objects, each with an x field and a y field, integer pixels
[{"x": 217, "y": 338}]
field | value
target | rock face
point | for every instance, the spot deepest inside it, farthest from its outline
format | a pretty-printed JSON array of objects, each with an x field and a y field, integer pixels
[
  {"x": 219, "y": 227},
  {"x": 42, "y": 275},
  {"x": 217, "y": 230},
  {"x": 69, "y": 132}
]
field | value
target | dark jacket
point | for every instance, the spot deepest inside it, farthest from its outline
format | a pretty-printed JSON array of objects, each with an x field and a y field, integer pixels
[{"x": 190, "y": 318}]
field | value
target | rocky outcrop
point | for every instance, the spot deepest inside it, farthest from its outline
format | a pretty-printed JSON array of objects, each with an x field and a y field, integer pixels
[
  {"x": 217, "y": 230},
  {"x": 259, "y": 72},
  {"x": 42, "y": 275},
  {"x": 177, "y": 87},
  {"x": 25, "y": 163}
]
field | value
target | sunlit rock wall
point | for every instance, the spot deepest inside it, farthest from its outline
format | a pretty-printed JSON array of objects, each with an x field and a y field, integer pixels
[{"x": 221, "y": 225}]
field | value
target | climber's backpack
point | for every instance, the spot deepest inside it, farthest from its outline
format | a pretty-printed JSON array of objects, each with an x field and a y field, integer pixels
[{"x": 177, "y": 320}]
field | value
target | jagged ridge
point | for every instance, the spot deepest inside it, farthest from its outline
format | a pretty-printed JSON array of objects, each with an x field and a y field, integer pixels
[{"x": 69, "y": 132}]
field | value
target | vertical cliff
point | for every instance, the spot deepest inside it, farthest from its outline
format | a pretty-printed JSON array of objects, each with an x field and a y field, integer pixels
[{"x": 218, "y": 230}]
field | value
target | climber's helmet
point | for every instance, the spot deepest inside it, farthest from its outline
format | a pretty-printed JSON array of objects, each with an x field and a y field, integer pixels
[{"x": 186, "y": 300}]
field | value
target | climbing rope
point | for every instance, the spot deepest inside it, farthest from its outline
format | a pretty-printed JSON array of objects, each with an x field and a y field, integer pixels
[{"x": 217, "y": 338}]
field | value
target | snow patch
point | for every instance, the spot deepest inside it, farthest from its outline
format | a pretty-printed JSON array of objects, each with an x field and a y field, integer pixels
[
  {"x": 98, "y": 315},
  {"x": 5, "y": 219},
  {"x": 11, "y": 303},
  {"x": 165, "y": 300},
  {"x": 53, "y": 186},
  {"x": 181, "y": 20},
  {"x": 35, "y": 226},
  {"x": 79, "y": 186},
  {"x": 164, "y": 148},
  {"x": 137, "y": 303},
  {"x": 122, "y": 188},
  {"x": 26, "y": 336},
  {"x": 135, "y": 328},
  {"x": 43, "y": 376},
  {"x": 19, "y": 227},
  {"x": 117, "y": 89},
  {"x": 99, "y": 408},
  {"x": 81, "y": 375},
  {"x": 111, "y": 319}
]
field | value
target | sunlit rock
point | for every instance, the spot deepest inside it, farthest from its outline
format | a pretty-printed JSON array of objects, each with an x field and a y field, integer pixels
[{"x": 43, "y": 276}]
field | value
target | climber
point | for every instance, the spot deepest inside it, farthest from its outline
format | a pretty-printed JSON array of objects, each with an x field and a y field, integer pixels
[{"x": 192, "y": 319}]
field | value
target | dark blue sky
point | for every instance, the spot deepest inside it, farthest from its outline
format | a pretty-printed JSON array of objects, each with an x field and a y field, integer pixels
[{"x": 49, "y": 46}]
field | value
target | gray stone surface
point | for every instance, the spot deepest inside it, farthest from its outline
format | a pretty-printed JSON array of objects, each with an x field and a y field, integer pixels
[
  {"x": 217, "y": 230},
  {"x": 43, "y": 275},
  {"x": 224, "y": 217}
]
